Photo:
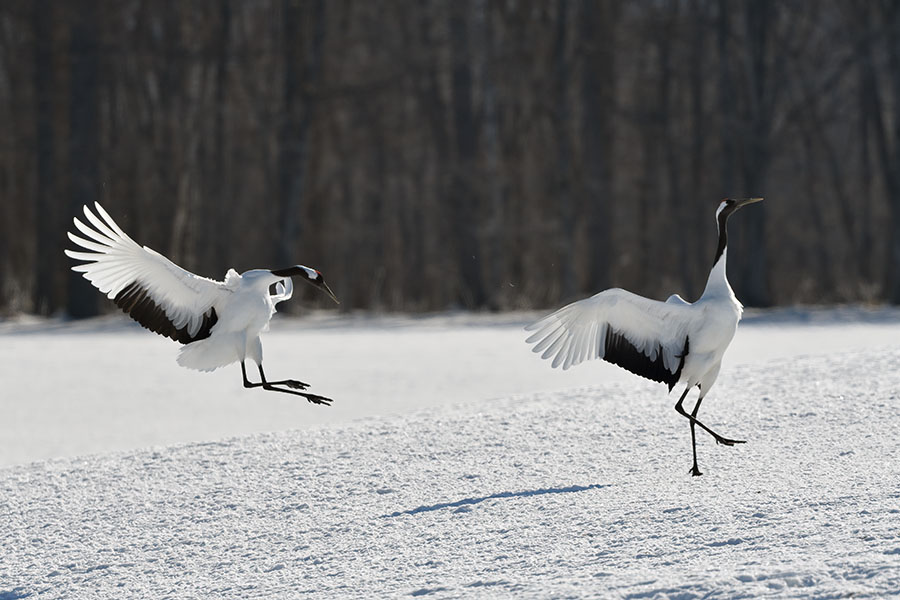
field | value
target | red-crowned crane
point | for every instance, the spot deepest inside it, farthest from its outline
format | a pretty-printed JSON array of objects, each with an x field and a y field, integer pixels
[
  {"x": 671, "y": 342},
  {"x": 219, "y": 322}
]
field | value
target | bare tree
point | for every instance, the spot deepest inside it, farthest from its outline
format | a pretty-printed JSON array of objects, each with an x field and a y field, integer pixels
[
  {"x": 438, "y": 154},
  {"x": 463, "y": 201},
  {"x": 886, "y": 132},
  {"x": 598, "y": 100},
  {"x": 49, "y": 233},
  {"x": 302, "y": 66},
  {"x": 84, "y": 126}
]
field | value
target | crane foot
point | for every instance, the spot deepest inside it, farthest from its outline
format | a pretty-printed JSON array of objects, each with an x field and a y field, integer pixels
[
  {"x": 727, "y": 442},
  {"x": 695, "y": 471},
  {"x": 315, "y": 399},
  {"x": 294, "y": 384}
]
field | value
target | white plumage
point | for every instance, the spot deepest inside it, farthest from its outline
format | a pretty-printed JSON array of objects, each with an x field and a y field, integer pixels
[
  {"x": 574, "y": 333},
  {"x": 671, "y": 342},
  {"x": 116, "y": 261},
  {"x": 219, "y": 322}
]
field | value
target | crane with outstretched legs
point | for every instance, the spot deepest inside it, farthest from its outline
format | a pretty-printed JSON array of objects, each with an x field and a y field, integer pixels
[{"x": 219, "y": 322}]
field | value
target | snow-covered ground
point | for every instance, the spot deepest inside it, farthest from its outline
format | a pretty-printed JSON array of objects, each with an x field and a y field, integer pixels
[
  {"x": 71, "y": 389},
  {"x": 454, "y": 463}
]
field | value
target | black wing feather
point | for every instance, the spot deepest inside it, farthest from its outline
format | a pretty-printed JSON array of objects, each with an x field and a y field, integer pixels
[
  {"x": 619, "y": 351},
  {"x": 136, "y": 302}
]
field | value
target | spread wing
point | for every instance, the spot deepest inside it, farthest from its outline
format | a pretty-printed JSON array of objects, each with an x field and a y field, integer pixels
[
  {"x": 647, "y": 337},
  {"x": 153, "y": 290}
]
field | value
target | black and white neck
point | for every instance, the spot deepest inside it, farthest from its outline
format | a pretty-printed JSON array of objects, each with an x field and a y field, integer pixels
[
  {"x": 726, "y": 207},
  {"x": 718, "y": 280}
]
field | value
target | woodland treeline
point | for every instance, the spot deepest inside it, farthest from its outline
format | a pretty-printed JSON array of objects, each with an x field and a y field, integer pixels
[{"x": 435, "y": 154}]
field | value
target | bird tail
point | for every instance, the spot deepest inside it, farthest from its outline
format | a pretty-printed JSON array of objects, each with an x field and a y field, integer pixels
[{"x": 208, "y": 354}]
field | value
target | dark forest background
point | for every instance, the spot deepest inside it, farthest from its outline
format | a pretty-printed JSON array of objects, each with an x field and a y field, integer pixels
[{"x": 435, "y": 154}]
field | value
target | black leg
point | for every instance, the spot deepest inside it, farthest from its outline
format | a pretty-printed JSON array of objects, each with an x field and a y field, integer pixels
[
  {"x": 695, "y": 470},
  {"x": 271, "y": 386},
  {"x": 291, "y": 383},
  {"x": 247, "y": 382},
  {"x": 719, "y": 439}
]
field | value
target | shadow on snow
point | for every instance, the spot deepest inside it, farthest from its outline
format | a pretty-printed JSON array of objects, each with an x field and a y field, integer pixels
[{"x": 522, "y": 494}]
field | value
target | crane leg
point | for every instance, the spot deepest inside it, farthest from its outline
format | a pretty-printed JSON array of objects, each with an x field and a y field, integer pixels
[
  {"x": 693, "y": 419},
  {"x": 272, "y": 386},
  {"x": 291, "y": 383},
  {"x": 695, "y": 470}
]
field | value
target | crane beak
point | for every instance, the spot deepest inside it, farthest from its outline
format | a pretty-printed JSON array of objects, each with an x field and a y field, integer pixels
[
  {"x": 330, "y": 293},
  {"x": 745, "y": 201}
]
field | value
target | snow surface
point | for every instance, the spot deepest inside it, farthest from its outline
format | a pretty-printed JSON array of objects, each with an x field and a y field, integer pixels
[
  {"x": 437, "y": 490},
  {"x": 74, "y": 388}
]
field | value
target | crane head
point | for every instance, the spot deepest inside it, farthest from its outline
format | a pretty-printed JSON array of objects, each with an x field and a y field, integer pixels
[
  {"x": 310, "y": 276},
  {"x": 730, "y": 205}
]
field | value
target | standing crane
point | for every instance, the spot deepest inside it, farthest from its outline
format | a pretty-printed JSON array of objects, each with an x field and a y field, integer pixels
[
  {"x": 219, "y": 322},
  {"x": 671, "y": 342}
]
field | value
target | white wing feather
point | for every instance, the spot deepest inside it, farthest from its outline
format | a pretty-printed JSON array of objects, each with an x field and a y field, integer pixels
[
  {"x": 577, "y": 332},
  {"x": 115, "y": 262}
]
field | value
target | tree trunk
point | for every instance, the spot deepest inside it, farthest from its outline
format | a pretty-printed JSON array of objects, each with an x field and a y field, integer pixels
[
  {"x": 747, "y": 120},
  {"x": 562, "y": 191},
  {"x": 752, "y": 256},
  {"x": 50, "y": 260},
  {"x": 727, "y": 103},
  {"x": 598, "y": 26},
  {"x": 84, "y": 138},
  {"x": 302, "y": 64},
  {"x": 677, "y": 204},
  {"x": 695, "y": 208},
  {"x": 886, "y": 139},
  {"x": 893, "y": 166},
  {"x": 221, "y": 194},
  {"x": 495, "y": 232},
  {"x": 865, "y": 105},
  {"x": 465, "y": 217}
]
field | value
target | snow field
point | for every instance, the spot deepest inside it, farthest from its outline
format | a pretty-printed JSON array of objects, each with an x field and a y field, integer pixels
[
  {"x": 104, "y": 385},
  {"x": 577, "y": 493}
]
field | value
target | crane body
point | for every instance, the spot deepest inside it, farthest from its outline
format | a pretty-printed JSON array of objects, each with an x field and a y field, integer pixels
[
  {"x": 246, "y": 309},
  {"x": 672, "y": 342}
]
